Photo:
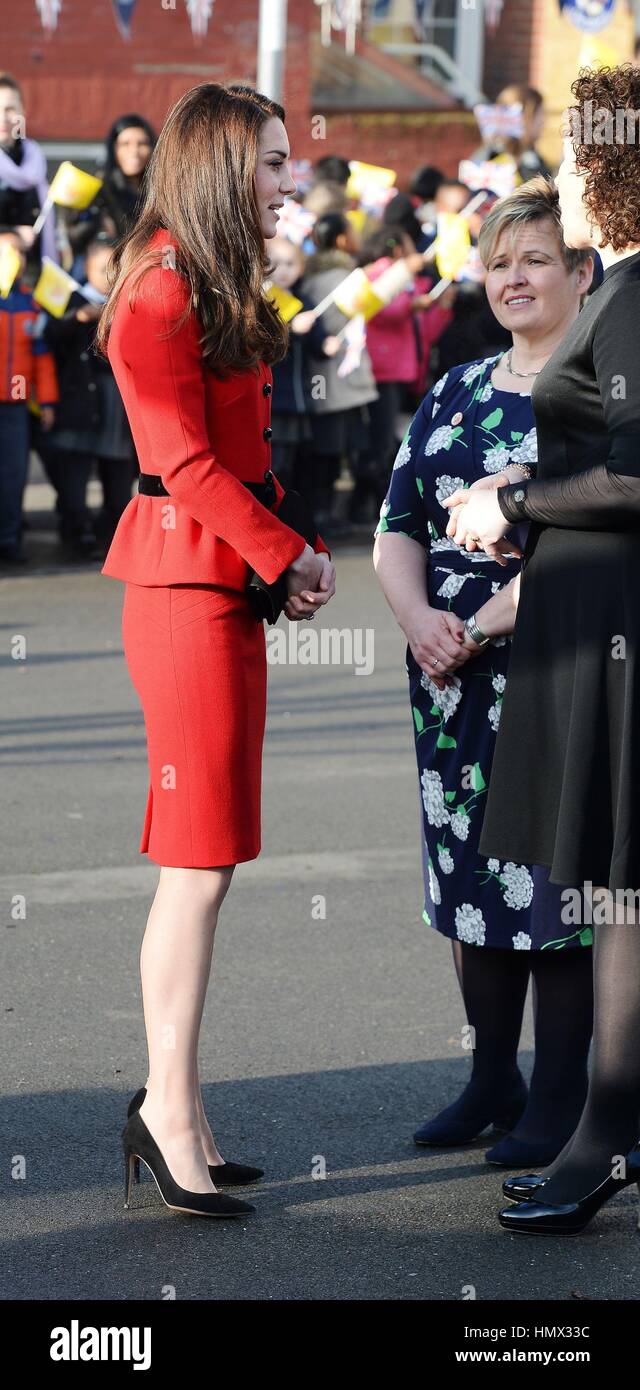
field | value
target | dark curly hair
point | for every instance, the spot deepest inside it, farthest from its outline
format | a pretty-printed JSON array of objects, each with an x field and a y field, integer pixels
[{"x": 604, "y": 129}]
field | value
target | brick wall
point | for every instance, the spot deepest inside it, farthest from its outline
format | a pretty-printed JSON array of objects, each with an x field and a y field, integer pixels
[
  {"x": 508, "y": 50},
  {"x": 80, "y": 79}
]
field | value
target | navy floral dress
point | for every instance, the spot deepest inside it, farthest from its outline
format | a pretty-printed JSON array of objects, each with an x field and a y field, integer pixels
[{"x": 465, "y": 429}]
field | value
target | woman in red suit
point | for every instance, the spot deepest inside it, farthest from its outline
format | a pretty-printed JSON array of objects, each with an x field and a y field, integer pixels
[{"x": 191, "y": 339}]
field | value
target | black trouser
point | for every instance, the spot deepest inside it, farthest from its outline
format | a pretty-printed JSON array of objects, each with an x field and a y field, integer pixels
[
  {"x": 371, "y": 467},
  {"x": 69, "y": 472}
]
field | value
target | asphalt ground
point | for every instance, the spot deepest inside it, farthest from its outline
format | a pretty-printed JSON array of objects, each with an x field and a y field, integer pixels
[{"x": 333, "y": 1023}]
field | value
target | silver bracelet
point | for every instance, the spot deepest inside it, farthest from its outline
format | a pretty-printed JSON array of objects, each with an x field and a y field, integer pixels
[{"x": 475, "y": 632}]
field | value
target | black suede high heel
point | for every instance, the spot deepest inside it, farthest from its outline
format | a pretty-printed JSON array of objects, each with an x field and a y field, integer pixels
[
  {"x": 533, "y": 1217},
  {"x": 222, "y": 1174},
  {"x": 138, "y": 1143},
  {"x": 524, "y": 1187}
]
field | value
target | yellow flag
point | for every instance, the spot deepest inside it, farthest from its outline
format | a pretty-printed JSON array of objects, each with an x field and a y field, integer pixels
[
  {"x": 72, "y": 188},
  {"x": 9, "y": 267},
  {"x": 357, "y": 217},
  {"x": 54, "y": 288},
  {"x": 356, "y": 295},
  {"x": 286, "y": 304},
  {"x": 453, "y": 244},
  {"x": 364, "y": 175}
]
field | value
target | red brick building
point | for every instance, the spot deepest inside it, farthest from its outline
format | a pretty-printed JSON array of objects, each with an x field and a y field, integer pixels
[{"x": 379, "y": 104}]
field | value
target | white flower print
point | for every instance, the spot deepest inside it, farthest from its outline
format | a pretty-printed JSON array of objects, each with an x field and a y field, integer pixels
[
  {"x": 443, "y": 543},
  {"x": 434, "y": 886},
  {"x": 495, "y": 460},
  {"x": 527, "y": 451},
  {"x": 433, "y": 798},
  {"x": 493, "y": 715},
  {"x": 517, "y": 885},
  {"x": 470, "y": 924},
  {"x": 385, "y": 509},
  {"x": 460, "y": 823},
  {"x": 499, "y": 684},
  {"x": 445, "y": 861},
  {"x": 446, "y": 485},
  {"x": 436, "y": 407},
  {"x": 403, "y": 455},
  {"x": 486, "y": 393},
  {"x": 448, "y": 699},
  {"x": 521, "y": 942},
  {"x": 493, "y": 866},
  {"x": 452, "y": 585},
  {"x": 439, "y": 386},
  {"x": 495, "y": 587},
  {"x": 441, "y": 438},
  {"x": 473, "y": 372}
]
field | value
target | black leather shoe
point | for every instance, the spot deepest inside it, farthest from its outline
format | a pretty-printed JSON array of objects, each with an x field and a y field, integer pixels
[
  {"x": 569, "y": 1218},
  {"x": 222, "y": 1174},
  {"x": 518, "y": 1189},
  {"x": 138, "y": 1143}
]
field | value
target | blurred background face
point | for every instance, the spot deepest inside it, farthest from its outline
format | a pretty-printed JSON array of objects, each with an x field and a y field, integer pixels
[
  {"x": 97, "y": 266},
  {"x": 287, "y": 261},
  {"x": 11, "y": 115},
  {"x": 14, "y": 240},
  {"x": 452, "y": 198},
  {"x": 273, "y": 175},
  {"x": 132, "y": 151},
  {"x": 577, "y": 230},
  {"x": 528, "y": 285}
]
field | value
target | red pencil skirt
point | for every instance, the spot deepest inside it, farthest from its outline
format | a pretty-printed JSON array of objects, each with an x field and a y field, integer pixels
[{"x": 197, "y": 658}]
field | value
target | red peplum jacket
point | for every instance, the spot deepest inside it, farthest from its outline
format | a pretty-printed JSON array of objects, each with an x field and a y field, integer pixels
[{"x": 202, "y": 436}]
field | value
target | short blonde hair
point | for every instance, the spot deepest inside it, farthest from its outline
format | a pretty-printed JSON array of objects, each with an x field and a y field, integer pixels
[{"x": 533, "y": 201}]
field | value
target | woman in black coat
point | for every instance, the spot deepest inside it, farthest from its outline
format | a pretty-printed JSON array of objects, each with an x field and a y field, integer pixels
[
  {"x": 129, "y": 145},
  {"x": 565, "y": 778}
]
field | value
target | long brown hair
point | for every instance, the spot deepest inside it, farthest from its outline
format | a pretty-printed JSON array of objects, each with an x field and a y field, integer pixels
[{"x": 200, "y": 186}]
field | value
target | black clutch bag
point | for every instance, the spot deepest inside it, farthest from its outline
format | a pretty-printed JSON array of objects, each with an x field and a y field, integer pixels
[{"x": 268, "y": 600}]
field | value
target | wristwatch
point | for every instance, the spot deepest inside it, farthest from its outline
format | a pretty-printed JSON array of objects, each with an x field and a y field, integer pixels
[{"x": 475, "y": 633}]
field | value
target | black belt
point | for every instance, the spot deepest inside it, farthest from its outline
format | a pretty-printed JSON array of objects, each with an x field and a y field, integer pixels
[{"x": 151, "y": 485}]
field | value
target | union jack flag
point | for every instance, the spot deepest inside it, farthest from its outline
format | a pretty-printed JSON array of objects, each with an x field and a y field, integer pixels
[
  {"x": 199, "y": 12},
  {"x": 49, "y": 11}
]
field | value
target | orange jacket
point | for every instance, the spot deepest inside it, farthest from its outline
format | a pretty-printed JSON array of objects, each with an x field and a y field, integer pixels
[
  {"x": 202, "y": 436},
  {"x": 27, "y": 367}
]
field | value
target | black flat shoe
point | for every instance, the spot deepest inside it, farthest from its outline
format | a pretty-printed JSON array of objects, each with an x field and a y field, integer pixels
[
  {"x": 519, "y": 1189},
  {"x": 569, "y": 1218},
  {"x": 450, "y": 1128},
  {"x": 222, "y": 1174},
  {"x": 138, "y": 1144}
]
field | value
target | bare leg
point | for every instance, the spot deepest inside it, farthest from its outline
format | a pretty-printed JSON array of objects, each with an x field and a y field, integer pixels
[{"x": 175, "y": 963}]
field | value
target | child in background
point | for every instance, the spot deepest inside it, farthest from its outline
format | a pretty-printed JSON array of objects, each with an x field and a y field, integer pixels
[
  {"x": 290, "y": 422},
  {"x": 91, "y": 426},
  {"x": 27, "y": 371},
  {"x": 397, "y": 342},
  {"x": 339, "y": 403}
]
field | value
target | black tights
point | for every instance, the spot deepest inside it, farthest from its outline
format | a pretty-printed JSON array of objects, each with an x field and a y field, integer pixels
[
  {"x": 494, "y": 985},
  {"x": 610, "y": 1123}
]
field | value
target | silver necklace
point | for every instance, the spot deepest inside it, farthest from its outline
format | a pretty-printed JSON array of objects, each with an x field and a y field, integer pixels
[{"x": 511, "y": 370}]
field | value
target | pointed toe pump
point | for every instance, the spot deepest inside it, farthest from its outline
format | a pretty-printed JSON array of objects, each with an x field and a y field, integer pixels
[
  {"x": 138, "y": 1143},
  {"x": 537, "y": 1217},
  {"x": 222, "y": 1174},
  {"x": 530, "y": 1184}
]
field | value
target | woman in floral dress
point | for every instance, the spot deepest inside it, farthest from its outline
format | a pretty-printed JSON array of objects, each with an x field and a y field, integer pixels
[{"x": 505, "y": 919}]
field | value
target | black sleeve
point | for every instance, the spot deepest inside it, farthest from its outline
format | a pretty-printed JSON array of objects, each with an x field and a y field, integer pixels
[{"x": 606, "y": 497}]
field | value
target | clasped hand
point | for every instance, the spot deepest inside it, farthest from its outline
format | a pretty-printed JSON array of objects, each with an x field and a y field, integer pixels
[
  {"x": 311, "y": 582},
  {"x": 476, "y": 521}
]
